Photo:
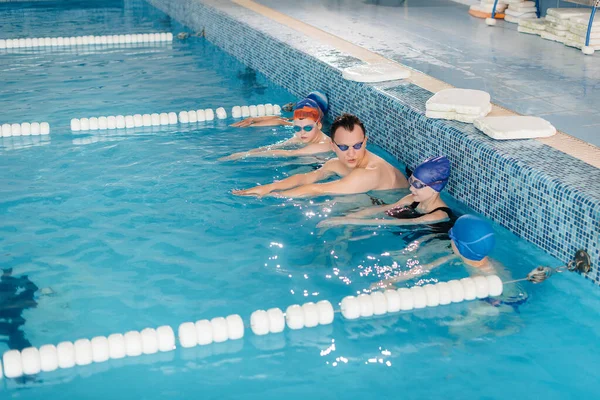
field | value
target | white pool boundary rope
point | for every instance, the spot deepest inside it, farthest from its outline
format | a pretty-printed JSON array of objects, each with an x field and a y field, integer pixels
[
  {"x": 25, "y": 129},
  {"x": 140, "y": 120},
  {"x": 170, "y": 118},
  {"x": 154, "y": 37},
  {"x": 47, "y": 358}
]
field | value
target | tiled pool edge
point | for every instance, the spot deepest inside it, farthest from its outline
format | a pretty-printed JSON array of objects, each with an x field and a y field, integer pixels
[{"x": 538, "y": 206}]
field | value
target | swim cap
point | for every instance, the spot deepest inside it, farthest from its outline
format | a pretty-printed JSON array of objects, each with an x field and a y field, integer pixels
[
  {"x": 321, "y": 99},
  {"x": 434, "y": 172},
  {"x": 307, "y": 108},
  {"x": 473, "y": 236}
]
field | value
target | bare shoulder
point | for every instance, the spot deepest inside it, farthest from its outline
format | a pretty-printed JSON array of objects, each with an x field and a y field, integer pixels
[
  {"x": 391, "y": 177},
  {"x": 319, "y": 147},
  {"x": 377, "y": 162},
  {"x": 336, "y": 166}
]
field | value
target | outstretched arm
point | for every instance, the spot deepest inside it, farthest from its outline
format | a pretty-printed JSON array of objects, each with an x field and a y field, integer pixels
[
  {"x": 437, "y": 216},
  {"x": 270, "y": 152},
  {"x": 358, "y": 181},
  {"x": 355, "y": 218},
  {"x": 367, "y": 212},
  {"x": 291, "y": 182},
  {"x": 265, "y": 151},
  {"x": 273, "y": 120},
  {"x": 413, "y": 273}
]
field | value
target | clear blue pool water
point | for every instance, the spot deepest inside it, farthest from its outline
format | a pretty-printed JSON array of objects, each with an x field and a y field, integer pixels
[{"x": 124, "y": 230}]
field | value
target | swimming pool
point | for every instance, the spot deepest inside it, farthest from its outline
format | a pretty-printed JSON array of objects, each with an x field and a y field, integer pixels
[{"x": 128, "y": 229}]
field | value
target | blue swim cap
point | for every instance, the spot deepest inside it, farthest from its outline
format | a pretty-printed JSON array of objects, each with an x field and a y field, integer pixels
[
  {"x": 473, "y": 237},
  {"x": 434, "y": 172},
  {"x": 321, "y": 99}
]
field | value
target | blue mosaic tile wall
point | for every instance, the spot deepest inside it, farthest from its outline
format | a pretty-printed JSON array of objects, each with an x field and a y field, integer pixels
[{"x": 543, "y": 195}]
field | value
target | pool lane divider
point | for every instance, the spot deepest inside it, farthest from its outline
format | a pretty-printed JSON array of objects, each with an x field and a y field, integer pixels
[
  {"x": 86, "y": 40},
  {"x": 171, "y": 118},
  {"x": 25, "y": 129},
  {"x": 31, "y": 360}
]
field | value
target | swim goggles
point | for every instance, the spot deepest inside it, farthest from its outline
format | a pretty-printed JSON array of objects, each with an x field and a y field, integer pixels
[
  {"x": 306, "y": 128},
  {"x": 418, "y": 184},
  {"x": 307, "y": 112},
  {"x": 345, "y": 147}
]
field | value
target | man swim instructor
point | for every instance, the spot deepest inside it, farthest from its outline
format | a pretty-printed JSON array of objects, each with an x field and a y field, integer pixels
[{"x": 360, "y": 170}]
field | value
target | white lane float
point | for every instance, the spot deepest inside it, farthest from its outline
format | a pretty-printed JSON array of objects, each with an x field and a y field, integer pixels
[{"x": 82, "y": 352}]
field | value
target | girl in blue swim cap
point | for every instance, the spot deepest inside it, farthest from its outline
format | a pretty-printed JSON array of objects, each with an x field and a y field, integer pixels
[
  {"x": 422, "y": 206},
  {"x": 308, "y": 137}
]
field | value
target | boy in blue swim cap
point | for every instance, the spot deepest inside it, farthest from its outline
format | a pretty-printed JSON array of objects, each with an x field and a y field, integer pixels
[
  {"x": 473, "y": 239},
  {"x": 422, "y": 206},
  {"x": 308, "y": 137}
]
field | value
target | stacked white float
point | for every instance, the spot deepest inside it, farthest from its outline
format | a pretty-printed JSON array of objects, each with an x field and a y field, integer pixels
[
  {"x": 86, "y": 40},
  {"x": 557, "y": 25},
  {"x": 47, "y": 358},
  {"x": 25, "y": 129},
  {"x": 575, "y": 37},
  {"x": 565, "y": 25},
  {"x": 464, "y": 105},
  {"x": 569, "y": 26},
  {"x": 404, "y": 299},
  {"x": 561, "y": 16},
  {"x": 519, "y": 10},
  {"x": 259, "y": 110},
  {"x": 532, "y": 26}
]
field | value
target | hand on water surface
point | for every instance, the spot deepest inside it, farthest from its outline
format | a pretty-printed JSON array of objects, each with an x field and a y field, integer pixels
[
  {"x": 255, "y": 191},
  {"x": 234, "y": 156},
  {"x": 382, "y": 285},
  {"x": 331, "y": 222}
]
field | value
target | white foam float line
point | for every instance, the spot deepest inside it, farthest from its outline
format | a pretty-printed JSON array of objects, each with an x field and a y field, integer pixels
[
  {"x": 404, "y": 299},
  {"x": 259, "y": 110},
  {"x": 47, "y": 358},
  {"x": 86, "y": 40},
  {"x": 25, "y": 129},
  {"x": 145, "y": 120},
  {"x": 220, "y": 329}
]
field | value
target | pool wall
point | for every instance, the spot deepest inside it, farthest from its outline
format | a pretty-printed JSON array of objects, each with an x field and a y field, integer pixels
[{"x": 541, "y": 194}]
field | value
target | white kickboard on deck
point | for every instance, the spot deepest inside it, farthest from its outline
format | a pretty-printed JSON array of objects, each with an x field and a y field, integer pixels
[
  {"x": 515, "y": 127},
  {"x": 461, "y": 101},
  {"x": 373, "y": 73}
]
